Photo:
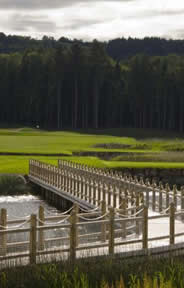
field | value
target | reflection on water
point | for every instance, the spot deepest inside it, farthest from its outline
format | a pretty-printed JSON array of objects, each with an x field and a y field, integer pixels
[{"x": 22, "y": 206}]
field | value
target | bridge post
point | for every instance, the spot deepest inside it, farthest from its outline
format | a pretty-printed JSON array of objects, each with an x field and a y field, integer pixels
[
  {"x": 90, "y": 191},
  {"x": 30, "y": 167},
  {"x": 48, "y": 174},
  {"x": 109, "y": 195},
  {"x": 124, "y": 212},
  {"x": 57, "y": 179},
  {"x": 68, "y": 182},
  {"x": 104, "y": 192},
  {"x": 153, "y": 198},
  {"x": 137, "y": 210},
  {"x": 142, "y": 197},
  {"x": 172, "y": 223},
  {"x": 127, "y": 196},
  {"x": 175, "y": 196},
  {"x": 41, "y": 171},
  {"x": 132, "y": 201},
  {"x": 160, "y": 196},
  {"x": 111, "y": 231},
  {"x": 74, "y": 185},
  {"x": 147, "y": 197},
  {"x": 3, "y": 236},
  {"x": 52, "y": 175},
  {"x": 94, "y": 191},
  {"x": 120, "y": 195},
  {"x": 73, "y": 235},
  {"x": 41, "y": 232},
  {"x": 32, "y": 256},
  {"x": 167, "y": 188},
  {"x": 100, "y": 189},
  {"x": 83, "y": 191},
  {"x": 61, "y": 179},
  {"x": 145, "y": 228},
  {"x": 86, "y": 188},
  {"x": 103, "y": 207},
  {"x": 114, "y": 197},
  {"x": 64, "y": 180},
  {"x": 78, "y": 187},
  {"x": 182, "y": 198}
]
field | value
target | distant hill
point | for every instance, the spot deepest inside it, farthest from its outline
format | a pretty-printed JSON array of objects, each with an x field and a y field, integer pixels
[
  {"x": 118, "y": 49},
  {"x": 124, "y": 48}
]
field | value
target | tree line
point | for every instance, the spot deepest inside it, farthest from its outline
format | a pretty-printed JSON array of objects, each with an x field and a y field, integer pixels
[
  {"x": 118, "y": 49},
  {"x": 80, "y": 86}
]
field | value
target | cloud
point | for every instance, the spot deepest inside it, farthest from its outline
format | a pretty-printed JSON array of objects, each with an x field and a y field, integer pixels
[
  {"x": 89, "y": 19},
  {"x": 48, "y": 4},
  {"x": 178, "y": 33},
  {"x": 154, "y": 13},
  {"x": 78, "y": 23},
  {"x": 26, "y": 23}
]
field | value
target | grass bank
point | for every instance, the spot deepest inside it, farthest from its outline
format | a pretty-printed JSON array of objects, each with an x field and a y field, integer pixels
[{"x": 136, "y": 148}]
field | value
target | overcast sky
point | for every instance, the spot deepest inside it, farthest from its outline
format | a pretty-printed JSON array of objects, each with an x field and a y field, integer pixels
[{"x": 89, "y": 19}]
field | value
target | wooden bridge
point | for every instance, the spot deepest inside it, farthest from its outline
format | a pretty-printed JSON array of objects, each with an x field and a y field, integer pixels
[
  {"x": 87, "y": 187},
  {"x": 107, "y": 213}
]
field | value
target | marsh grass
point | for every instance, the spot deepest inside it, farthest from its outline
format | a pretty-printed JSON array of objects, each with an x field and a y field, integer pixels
[{"x": 105, "y": 273}]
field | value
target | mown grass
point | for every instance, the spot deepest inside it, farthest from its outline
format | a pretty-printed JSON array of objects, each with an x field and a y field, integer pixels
[
  {"x": 20, "y": 164},
  {"x": 38, "y": 141},
  {"x": 99, "y": 273},
  {"x": 157, "y": 150}
]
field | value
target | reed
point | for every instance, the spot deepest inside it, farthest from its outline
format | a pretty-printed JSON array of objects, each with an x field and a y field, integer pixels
[{"x": 106, "y": 273}]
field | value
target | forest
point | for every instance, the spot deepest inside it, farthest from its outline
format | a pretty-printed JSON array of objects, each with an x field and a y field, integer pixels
[{"x": 82, "y": 86}]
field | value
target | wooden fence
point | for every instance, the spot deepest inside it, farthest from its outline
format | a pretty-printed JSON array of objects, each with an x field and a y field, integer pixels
[{"x": 115, "y": 229}]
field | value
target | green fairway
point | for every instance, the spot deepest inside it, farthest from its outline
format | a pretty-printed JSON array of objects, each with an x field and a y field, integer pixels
[
  {"x": 37, "y": 141},
  {"x": 165, "y": 151}
]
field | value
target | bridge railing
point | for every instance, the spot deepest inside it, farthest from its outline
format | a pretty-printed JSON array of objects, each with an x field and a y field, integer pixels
[
  {"x": 93, "y": 185},
  {"x": 84, "y": 188},
  {"x": 133, "y": 184}
]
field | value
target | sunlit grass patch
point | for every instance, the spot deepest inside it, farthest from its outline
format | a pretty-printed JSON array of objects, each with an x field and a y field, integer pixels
[{"x": 151, "y": 152}]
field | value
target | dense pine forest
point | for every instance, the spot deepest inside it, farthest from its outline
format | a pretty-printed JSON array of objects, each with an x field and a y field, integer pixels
[{"x": 72, "y": 84}]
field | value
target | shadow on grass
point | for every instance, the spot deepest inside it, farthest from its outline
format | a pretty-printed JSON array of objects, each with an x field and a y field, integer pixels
[{"x": 131, "y": 132}]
